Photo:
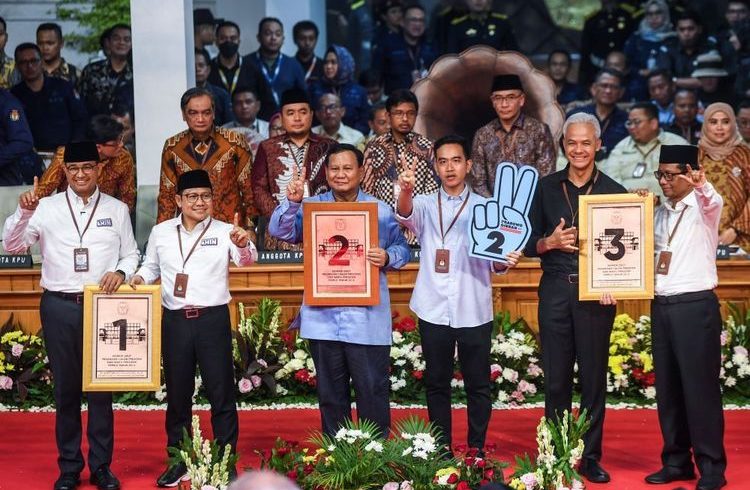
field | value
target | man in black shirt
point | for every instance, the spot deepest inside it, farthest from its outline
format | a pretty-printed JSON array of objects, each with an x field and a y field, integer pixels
[
  {"x": 305, "y": 34},
  {"x": 572, "y": 330}
]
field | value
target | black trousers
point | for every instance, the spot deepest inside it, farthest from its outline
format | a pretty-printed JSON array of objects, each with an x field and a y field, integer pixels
[
  {"x": 336, "y": 363},
  {"x": 62, "y": 326},
  {"x": 573, "y": 330},
  {"x": 438, "y": 347},
  {"x": 685, "y": 335},
  {"x": 206, "y": 340}
]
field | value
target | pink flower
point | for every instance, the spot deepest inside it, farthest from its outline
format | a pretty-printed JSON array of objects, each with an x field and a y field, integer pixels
[
  {"x": 391, "y": 485},
  {"x": 262, "y": 363},
  {"x": 533, "y": 370},
  {"x": 245, "y": 385},
  {"x": 17, "y": 350},
  {"x": 738, "y": 349},
  {"x": 5, "y": 383},
  {"x": 526, "y": 387},
  {"x": 518, "y": 396},
  {"x": 724, "y": 337},
  {"x": 255, "y": 379},
  {"x": 529, "y": 479},
  {"x": 577, "y": 485}
]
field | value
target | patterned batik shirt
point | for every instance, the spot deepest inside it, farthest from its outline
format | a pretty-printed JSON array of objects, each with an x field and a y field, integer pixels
[
  {"x": 529, "y": 142},
  {"x": 102, "y": 88},
  {"x": 117, "y": 178},
  {"x": 68, "y": 72},
  {"x": 383, "y": 164},
  {"x": 8, "y": 74},
  {"x": 227, "y": 161}
]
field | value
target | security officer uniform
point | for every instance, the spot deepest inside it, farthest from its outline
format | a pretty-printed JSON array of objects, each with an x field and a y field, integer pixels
[
  {"x": 603, "y": 32},
  {"x": 492, "y": 29}
]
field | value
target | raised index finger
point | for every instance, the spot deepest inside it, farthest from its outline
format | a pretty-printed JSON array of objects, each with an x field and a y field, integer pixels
[
  {"x": 236, "y": 219},
  {"x": 36, "y": 184}
]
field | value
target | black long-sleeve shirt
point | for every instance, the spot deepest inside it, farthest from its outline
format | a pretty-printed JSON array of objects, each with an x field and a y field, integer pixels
[{"x": 549, "y": 205}]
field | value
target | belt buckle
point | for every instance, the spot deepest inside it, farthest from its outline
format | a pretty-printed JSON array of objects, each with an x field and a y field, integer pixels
[
  {"x": 573, "y": 278},
  {"x": 192, "y": 313}
]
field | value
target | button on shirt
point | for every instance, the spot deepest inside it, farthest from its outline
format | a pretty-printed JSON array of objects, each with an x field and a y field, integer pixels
[
  {"x": 368, "y": 325},
  {"x": 109, "y": 239},
  {"x": 693, "y": 264},
  {"x": 463, "y": 297},
  {"x": 207, "y": 268}
]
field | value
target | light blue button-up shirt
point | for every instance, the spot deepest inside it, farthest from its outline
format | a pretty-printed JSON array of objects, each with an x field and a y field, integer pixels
[
  {"x": 369, "y": 325},
  {"x": 462, "y": 297}
]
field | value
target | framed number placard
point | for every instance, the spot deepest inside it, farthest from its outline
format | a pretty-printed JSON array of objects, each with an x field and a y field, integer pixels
[
  {"x": 337, "y": 236},
  {"x": 122, "y": 339},
  {"x": 616, "y": 246}
]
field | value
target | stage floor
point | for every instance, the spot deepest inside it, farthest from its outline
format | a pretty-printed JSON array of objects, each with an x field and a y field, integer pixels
[{"x": 631, "y": 444}]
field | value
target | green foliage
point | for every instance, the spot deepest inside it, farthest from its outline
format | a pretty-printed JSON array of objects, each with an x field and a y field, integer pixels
[
  {"x": 95, "y": 16},
  {"x": 419, "y": 468}
]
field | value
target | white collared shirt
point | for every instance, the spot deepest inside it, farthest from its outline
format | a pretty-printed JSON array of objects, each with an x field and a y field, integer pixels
[
  {"x": 109, "y": 239},
  {"x": 693, "y": 263},
  {"x": 462, "y": 297},
  {"x": 345, "y": 134},
  {"x": 207, "y": 268}
]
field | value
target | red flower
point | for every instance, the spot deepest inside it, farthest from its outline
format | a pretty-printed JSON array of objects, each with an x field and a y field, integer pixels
[
  {"x": 463, "y": 485},
  {"x": 484, "y": 482},
  {"x": 489, "y": 473},
  {"x": 494, "y": 375},
  {"x": 472, "y": 452},
  {"x": 308, "y": 469},
  {"x": 408, "y": 324},
  {"x": 453, "y": 478},
  {"x": 461, "y": 448},
  {"x": 490, "y": 448},
  {"x": 417, "y": 374},
  {"x": 302, "y": 376},
  {"x": 288, "y": 338},
  {"x": 292, "y": 475},
  {"x": 469, "y": 459},
  {"x": 458, "y": 375},
  {"x": 283, "y": 451},
  {"x": 481, "y": 463}
]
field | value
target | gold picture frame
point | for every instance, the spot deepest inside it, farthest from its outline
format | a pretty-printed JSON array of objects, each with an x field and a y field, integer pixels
[
  {"x": 122, "y": 339},
  {"x": 616, "y": 246},
  {"x": 336, "y": 237}
]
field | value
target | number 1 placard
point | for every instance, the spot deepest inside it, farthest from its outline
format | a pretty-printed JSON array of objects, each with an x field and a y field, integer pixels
[
  {"x": 337, "y": 236},
  {"x": 616, "y": 246}
]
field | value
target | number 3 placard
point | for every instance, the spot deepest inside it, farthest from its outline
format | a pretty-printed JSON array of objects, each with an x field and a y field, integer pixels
[
  {"x": 337, "y": 236},
  {"x": 616, "y": 246}
]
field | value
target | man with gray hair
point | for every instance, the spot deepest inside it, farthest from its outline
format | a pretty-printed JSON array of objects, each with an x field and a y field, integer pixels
[
  {"x": 263, "y": 480},
  {"x": 572, "y": 330}
]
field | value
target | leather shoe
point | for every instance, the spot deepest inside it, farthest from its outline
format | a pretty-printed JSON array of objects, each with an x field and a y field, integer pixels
[
  {"x": 710, "y": 484},
  {"x": 67, "y": 481},
  {"x": 172, "y": 476},
  {"x": 104, "y": 479},
  {"x": 668, "y": 475},
  {"x": 593, "y": 472}
]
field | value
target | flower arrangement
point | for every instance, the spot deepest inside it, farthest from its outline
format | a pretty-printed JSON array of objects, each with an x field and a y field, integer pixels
[
  {"x": 735, "y": 343},
  {"x": 515, "y": 370},
  {"x": 208, "y": 466},
  {"x": 25, "y": 377},
  {"x": 297, "y": 368},
  {"x": 631, "y": 367},
  {"x": 560, "y": 448}
]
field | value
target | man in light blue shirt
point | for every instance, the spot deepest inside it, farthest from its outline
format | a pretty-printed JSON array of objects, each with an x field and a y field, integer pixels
[
  {"x": 453, "y": 292},
  {"x": 347, "y": 342}
]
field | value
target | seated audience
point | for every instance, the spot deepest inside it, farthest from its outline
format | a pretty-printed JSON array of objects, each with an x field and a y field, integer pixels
[
  {"x": 634, "y": 88},
  {"x": 245, "y": 107},
  {"x": 743, "y": 120},
  {"x": 378, "y": 122},
  {"x": 661, "y": 91},
  {"x": 685, "y": 123},
  {"x": 480, "y": 26},
  {"x": 373, "y": 84},
  {"x": 330, "y": 112},
  {"x": 715, "y": 85},
  {"x": 558, "y": 68}
]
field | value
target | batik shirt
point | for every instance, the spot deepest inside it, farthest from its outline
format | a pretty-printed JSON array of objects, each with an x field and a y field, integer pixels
[
  {"x": 66, "y": 71},
  {"x": 102, "y": 88},
  {"x": 227, "y": 162},
  {"x": 8, "y": 74},
  {"x": 117, "y": 178}
]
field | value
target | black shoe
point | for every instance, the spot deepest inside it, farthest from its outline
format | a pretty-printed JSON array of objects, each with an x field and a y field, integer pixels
[
  {"x": 593, "y": 472},
  {"x": 668, "y": 475},
  {"x": 67, "y": 481},
  {"x": 104, "y": 479},
  {"x": 172, "y": 475},
  {"x": 710, "y": 483}
]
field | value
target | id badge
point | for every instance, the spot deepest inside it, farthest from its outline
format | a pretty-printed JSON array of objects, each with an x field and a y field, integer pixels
[
  {"x": 180, "y": 285},
  {"x": 662, "y": 264},
  {"x": 81, "y": 259},
  {"x": 639, "y": 170},
  {"x": 442, "y": 260}
]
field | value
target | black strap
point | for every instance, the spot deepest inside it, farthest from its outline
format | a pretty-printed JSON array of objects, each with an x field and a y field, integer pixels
[{"x": 573, "y": 215}]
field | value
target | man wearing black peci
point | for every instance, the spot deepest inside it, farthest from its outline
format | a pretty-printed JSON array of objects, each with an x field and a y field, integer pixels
[
  {"x": 686, "y": 323},
  {"x": 572, "y": 330}
]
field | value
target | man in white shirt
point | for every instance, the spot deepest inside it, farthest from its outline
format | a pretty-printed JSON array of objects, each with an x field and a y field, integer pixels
[
  {"x": 686, "y": 323},
  {"x": 85, "y": 238},
  {"x": 191, "y": 253},
  {"x": 453, "y": 292},
  {"x": 330, "y": 112},
  {"x": 245, "y": 106}
]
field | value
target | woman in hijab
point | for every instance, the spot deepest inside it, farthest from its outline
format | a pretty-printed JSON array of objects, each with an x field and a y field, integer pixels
[
  {"x": 643, "y": 46},
  {"x": 338, "y": 73},
  {"x": 726, "y": 162}
]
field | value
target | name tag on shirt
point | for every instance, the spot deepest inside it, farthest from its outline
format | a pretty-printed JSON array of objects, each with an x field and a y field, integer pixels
[
  {"x": 209, "y": 242},
  {"x": 103, "y": 222}
]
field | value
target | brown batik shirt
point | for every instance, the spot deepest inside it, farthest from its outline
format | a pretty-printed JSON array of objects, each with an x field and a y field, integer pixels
[
  {"x": 529, "y": 142},
  {"x": 227, "y": 162},
  {"x": 383, "y": 164},
  {"x": 117, "y": 178},
  {"x": 66, "y": 71}
]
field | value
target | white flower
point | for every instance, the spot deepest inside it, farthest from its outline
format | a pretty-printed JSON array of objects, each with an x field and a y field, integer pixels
[
  {"x": 407, "y": 451},
  {"x": 511, "y": 375},
  {"x": 650, "y": 392},
  {"x": 502, "y": 397},
  {"x": 730, "y": 381},
  {"x": 397, "y": 337},
  {"x": 295, "y": 365},
  {"x": 161, "y": 395},
  {"x": 374, "y": 446},
  {"x": 457, "y": 383},
  {"x": 300, "y": 354}
]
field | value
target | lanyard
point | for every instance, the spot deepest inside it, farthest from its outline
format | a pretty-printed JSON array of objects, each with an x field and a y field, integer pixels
[
  {"x": 271, "y": 79},
  {"x": 670, "y": 236},
  {"x": 299, "y": 155},
  {"x": 416, "y": 60},
  {"x": 312, "y": 67},
  {"x": 645, "y": 155},
  {"x": 455, "y": 218},
  {"x": 179, "y": 240},
  {"x": 570, "y": 205},
  {"x": 75, "y": 222},
  {"x": 235, "y": 77}
]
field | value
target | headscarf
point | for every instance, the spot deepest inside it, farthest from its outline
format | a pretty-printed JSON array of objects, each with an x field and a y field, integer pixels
[
  {"x": 345, "y": 71},
  {"x": 715, "y": 151},
  {"x": 662, "y": 32}
]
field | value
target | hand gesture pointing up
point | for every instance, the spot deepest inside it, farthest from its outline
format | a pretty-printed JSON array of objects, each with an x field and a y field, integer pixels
[{"x": 29, "y": 200}]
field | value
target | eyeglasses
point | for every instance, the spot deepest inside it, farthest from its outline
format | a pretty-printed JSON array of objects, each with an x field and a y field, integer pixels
[
  {"x": 86, "y": 169},
  {"x": 329, "y": 107},
  {"x": 400, "y": 114},
  {"x": 192, "y": 198},
  {"x": 631, "y": 123},
  {"x": 668, "y": 176},
  {"x": 500, "y": 99}
]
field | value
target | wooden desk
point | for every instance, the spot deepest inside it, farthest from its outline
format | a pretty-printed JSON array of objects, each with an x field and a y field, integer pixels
[{"x": 515, "y": 291}]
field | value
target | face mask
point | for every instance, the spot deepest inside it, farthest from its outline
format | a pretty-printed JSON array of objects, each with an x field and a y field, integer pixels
[{"x": 228, "y": 49}]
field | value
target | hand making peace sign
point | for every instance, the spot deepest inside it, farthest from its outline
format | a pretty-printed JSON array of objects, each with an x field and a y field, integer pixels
[{"x": 295, "y": 190}]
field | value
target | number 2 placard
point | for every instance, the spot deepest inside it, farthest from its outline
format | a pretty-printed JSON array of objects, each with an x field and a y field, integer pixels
[
  {"x": 336, "y": 239},
  {"x": 616, "y": 246}
]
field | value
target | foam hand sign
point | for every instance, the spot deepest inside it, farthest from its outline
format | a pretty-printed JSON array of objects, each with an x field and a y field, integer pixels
[{"x": 500, "y": 225}]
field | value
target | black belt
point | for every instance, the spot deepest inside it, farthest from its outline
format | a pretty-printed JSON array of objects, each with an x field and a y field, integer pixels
[
  {"x": 570, "y": 278},
  {"x": 685, "y": 297},
  {"x": 193, "y": 313},
  {"x": 76, "y": 297}
]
